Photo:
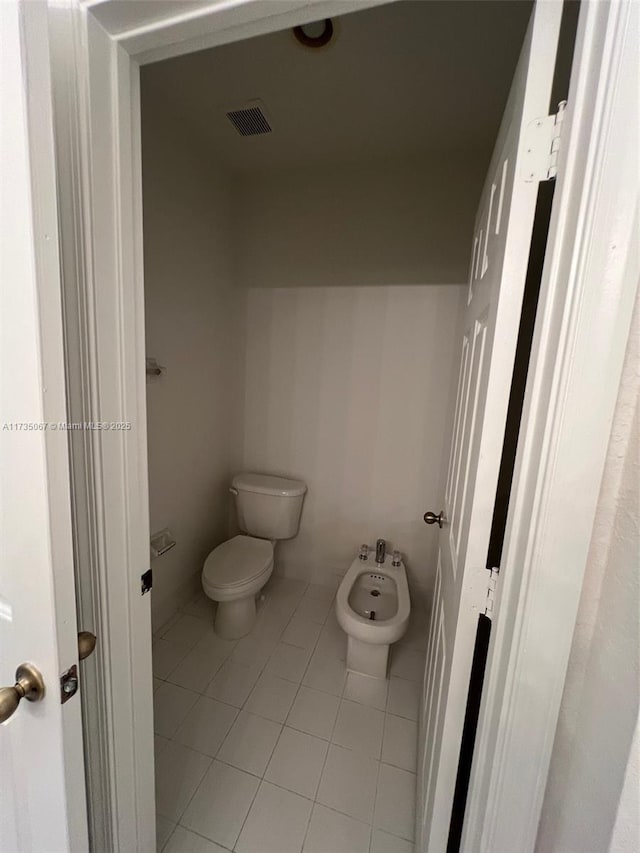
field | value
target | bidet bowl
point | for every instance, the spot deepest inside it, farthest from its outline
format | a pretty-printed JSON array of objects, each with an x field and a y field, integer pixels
[
  {"x": 372, "y": 608},
  {"x": 374, "y": 596}
]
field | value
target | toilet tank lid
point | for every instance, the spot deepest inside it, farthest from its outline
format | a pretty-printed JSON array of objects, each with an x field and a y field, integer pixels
[{"x": 265, "y": 484}]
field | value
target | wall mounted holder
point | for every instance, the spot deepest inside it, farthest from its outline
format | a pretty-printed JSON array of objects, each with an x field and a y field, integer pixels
[
  {"x": 153, "y": 368},
  {"x": 161, "y": 542}
]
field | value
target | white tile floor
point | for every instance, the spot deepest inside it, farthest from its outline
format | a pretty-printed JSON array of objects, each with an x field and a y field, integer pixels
[{"x": 268, "y": 745}]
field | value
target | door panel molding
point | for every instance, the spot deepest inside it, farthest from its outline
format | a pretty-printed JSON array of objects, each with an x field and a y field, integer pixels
[{"x": 573, "y": 381}]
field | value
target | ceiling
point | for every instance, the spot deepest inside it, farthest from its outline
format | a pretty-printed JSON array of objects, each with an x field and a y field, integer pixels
[{"x": 396, "y": 81}]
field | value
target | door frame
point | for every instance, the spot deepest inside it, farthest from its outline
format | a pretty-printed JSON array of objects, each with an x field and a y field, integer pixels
[
  {"x": 97, "y": 49},
  {"x": 587, "y": 295}
]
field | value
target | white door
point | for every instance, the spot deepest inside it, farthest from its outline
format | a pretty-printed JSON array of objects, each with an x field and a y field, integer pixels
[
  {"x": 42, "y": 792},
  {"x": 498, "y": 267}
]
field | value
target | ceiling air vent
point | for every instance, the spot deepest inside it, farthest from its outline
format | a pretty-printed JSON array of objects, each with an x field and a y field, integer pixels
[{"x": 250, "y": 119}]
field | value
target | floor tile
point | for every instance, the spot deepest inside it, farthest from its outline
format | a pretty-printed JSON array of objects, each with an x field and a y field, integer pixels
[
  {"x": 395, "y": 802},
  {"x": 164, "y": 828},
  {"x": 400, "y": 742},
  {"x": 289, "y": 662},
  {"x": 382, "y": 842},
  {"x": 196, "y": 669},
  {"x": 253, "y": 651},
  {"x": 200, "y": 606},
  {"x": 314, "y": 712},
  {"x": 206, "y": 726},
  {"x": 320, "y": 592},
  {"x": 332, "y": 642},
  {"x": 179, "y": 771},
  {"x": 165, "y": 657},
  {"x": 270, "y": 624},
  {"x": 168, "y": 623},
  {"x": 283, "y": 607},
  {"x": 360, "y": 728},
  {"x": 313, "y": 609},
  {"x": 332, "y": 623},
  {"x": 171, "y": 704},
  {"x": 277, "y": 822},
  {"x": 286, "y": 587},
  {"x": 187, "y": 631},
  {"x": 404, "y": 697},
  {"x": 301, "y": 632},
  {"x": 250, "y": 743},
  {"x": 272, "y": 697},
  {"x": 407, "y": 662},
  {"x": 325, "y": 673},
  {"x": 233, "y": 683},
  {"x": 348, "y": 783},
  {"x": 332, "y": 832},
  {"x": 221, "y": 804},
  {"x": 184, "y": 841},
  {"x": 366, "y": 690},
  {"x": 297, "y": 762},
  {"x": 216, "y": 646}
]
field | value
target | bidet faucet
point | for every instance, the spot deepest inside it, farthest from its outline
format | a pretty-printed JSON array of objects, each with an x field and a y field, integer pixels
[{"x": 381, "y": 547}]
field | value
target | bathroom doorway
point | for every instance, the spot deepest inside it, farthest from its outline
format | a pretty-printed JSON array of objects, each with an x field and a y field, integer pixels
[
  {"x": 273, "y": 317},
  {"x": 307, "y": 243}
]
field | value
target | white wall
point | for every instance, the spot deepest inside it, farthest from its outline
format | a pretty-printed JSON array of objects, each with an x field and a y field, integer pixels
[
  {"x": 193, "y": 328},
  {"x": 354, "y": 294},
  {"x": 592, "y": 798},
  {"x": 347, "y": 283},
  {"x": 383, "y": 224},
  {"x": 351, "y": 389}
]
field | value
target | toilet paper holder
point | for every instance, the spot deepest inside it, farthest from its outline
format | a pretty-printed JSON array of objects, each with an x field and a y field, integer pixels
[{"x": 161, "y": 542}]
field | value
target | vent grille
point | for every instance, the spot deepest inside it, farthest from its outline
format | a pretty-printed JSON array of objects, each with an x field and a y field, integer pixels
[{"x": 249, "y": 120}]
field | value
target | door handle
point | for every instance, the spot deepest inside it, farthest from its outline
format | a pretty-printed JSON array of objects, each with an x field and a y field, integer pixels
[
  {"x": 432, "y": 518},
  {"x": 29, "y": 685},
  {"x": 86, "y": 644}
]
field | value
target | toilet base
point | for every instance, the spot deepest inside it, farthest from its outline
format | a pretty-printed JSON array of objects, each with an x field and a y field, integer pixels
[
  {"x": 234, "y": 619},
  {"x": 367, "y": 658}
]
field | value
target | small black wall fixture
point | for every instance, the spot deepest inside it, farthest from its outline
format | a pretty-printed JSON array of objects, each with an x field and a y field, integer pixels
[{"x": 310, "y": 35}]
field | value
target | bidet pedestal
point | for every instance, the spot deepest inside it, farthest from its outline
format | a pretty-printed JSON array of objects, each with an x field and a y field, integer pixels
[
  {"x": 234, "y": 619},
  {"x": 367, "y": 658}
]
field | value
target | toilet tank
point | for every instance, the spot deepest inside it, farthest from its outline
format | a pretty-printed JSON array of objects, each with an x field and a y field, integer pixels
[{"x": 268, "y": 507}]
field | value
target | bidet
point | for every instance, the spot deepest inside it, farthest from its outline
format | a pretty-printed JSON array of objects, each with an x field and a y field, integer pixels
[{"x": 372, "y": 607}]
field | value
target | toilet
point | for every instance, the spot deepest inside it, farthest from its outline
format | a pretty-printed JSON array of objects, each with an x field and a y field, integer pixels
[
  {"x": 372, "y": 607},
  {"x": 268, "y": 510}
]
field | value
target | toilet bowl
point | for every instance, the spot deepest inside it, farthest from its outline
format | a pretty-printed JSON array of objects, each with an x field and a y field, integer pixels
[
  {"x": 233, "y": 574},
  {"x": 372, "y": 607}
]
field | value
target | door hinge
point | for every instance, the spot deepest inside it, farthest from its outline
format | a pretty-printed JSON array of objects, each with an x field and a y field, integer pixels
[
  {"x": 491, "y": 592},
  {"x": 541, "y": 146}
]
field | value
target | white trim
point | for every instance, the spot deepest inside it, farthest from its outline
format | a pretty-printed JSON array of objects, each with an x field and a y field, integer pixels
[
  {"x": 106, "y": 209},
  {"x": 220, "y": 22},
  {"x": 96, "y": 92},
  {"x": 588, "y": 288},
  {"x": 42, "y": 793},
  {"x": 99, "y": 200},
  {"x": 73, "y": 167}
]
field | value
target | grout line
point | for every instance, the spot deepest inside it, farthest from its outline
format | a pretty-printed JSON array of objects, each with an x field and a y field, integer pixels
[
  {"x": 200, "y": 835},
  {"x": 262, "y": 778},
  {"x": 329, "y": 742}
]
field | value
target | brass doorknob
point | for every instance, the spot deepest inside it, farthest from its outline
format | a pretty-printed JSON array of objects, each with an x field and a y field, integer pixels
[
  {"x": 432, "y": 518},
  {"x": 29, "y": 685},
  {"x": 86, "y": 644}
]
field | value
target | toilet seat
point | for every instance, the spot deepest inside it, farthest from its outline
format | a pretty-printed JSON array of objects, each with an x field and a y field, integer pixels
[{"x": 237, "y": 562}]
